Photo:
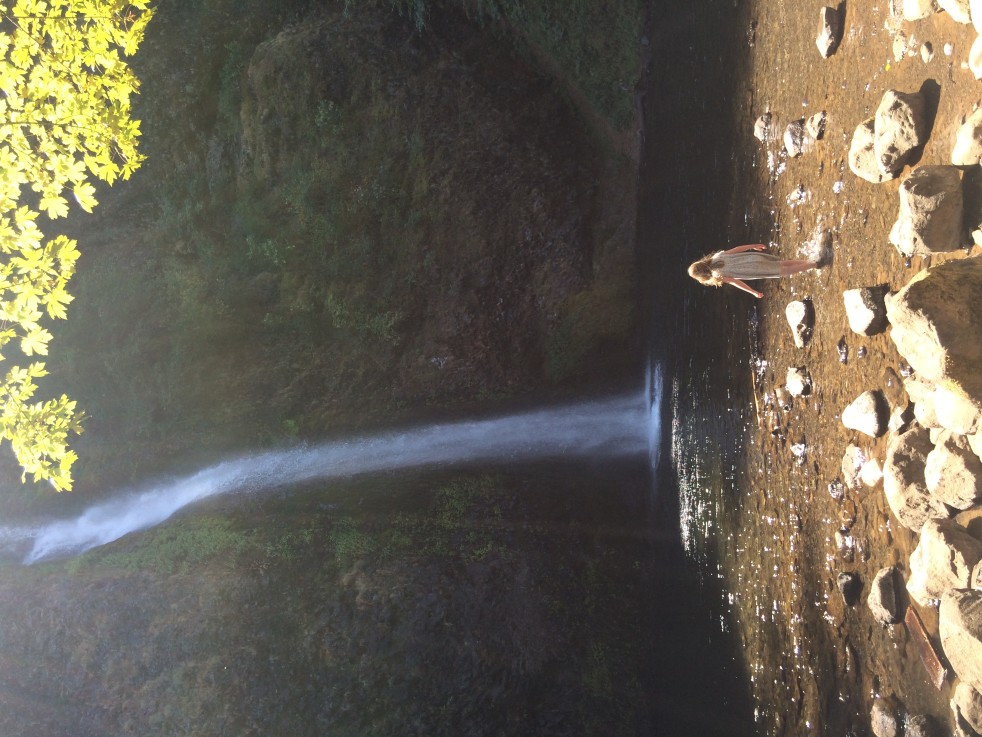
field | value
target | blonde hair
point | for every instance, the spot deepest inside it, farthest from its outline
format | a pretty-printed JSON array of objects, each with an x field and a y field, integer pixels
[{"x": 702, "y": 272}]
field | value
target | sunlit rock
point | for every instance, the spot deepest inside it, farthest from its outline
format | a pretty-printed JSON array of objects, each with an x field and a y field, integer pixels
[
  {"x": 921, "y": 393},
  {"x": 957, "y": 9},
  {"x": 918, "y": 9},
  {"x": 867, "y": 413},
  {"x": 795, "y": 138},
  {"x": 927, "y": 52},
  {"x": 968, "y": 141},
  {"x": 975, "y": 10},
  {"x": 937, "y": 324},
  {"x": 829, "y": 31},
  {"x": 955, "y": 410},
  {"x": 966, "y": 703},
  {"x": 801, "y": 317},
  {"x": 899, "y": 126},
  {"x": 953, "y": 473},
  {"x": 762, "y": 128},
  {"x": 960, "y": 629},
  {"x": 871, "y": 473},
  {"x": 886, "y": 598},
  {"x": 975, "y": 57},
  {"x": 943, "y": 560},
  {"x": 865, "y": 310},
  {"x": 852, "y": 464},
  {"x": 798, "y": 381},
  {"x": 930, "y": 213},
  {"x": 862, "y": 157},
  {"x": 815, "y": 125},
  {"x": 903, "y": 480}
]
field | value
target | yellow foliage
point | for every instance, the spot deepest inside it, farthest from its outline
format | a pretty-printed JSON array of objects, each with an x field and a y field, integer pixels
[{"x": 65, "y": 94}]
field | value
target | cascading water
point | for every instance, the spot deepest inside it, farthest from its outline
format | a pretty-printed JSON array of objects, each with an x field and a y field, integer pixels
[{"x": 617, "y": 427}]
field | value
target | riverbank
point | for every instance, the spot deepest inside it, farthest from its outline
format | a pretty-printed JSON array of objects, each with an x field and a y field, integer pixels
[{"x": 815, "y": 663}]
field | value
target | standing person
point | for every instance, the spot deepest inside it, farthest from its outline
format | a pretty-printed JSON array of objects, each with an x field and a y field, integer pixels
[{"x": 745, "y": 262}]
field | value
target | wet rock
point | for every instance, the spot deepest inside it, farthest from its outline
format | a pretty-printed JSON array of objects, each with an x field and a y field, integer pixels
[
  {"x": 916, "y": 9},
  {"x": 953, "y": 473},
  {"x": 960, "y": 629},
  {"x": 762, "y": 128},
  {"x": 936, "y": 326},
  {"x": 968, "y": 141},
  {"x": 782, "y": 397},
  {"x": 921, "y": 393},
  {"x": 872, "y": 473},
  {"x": 845, "y": 546},
  {"x": 852, "y": 464},
  {"x": 865, "y": 310},
  {"x": 903, "y": 480},
  {"x": 966, "y": 703},
  {"x": 798, "y": 381},
  {"x": 886, "y": 597},
  {"x": 801, "y": 317},
  {"x": 900, "y": 125},
  {"x": 943, "y": 560},
  {"x": 850, "y": 586},
  {"x": 884, "y": 718},
  {"x": 815, "y": 125},
  {"x": 930, "y": 214},
  {"x": 842, "y": 348},
  {"x": 862, "y": 156},
  {"x": 955, "y": 410},
  {"x": 957, "y": 9},
  {"x": 829, "y": 31},
  {"x": 867, "y": 413},
  {"x": 794, "y": 138}
]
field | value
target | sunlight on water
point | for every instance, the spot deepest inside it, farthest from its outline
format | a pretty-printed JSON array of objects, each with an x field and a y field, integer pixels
[{"x": 623, "y": 426}]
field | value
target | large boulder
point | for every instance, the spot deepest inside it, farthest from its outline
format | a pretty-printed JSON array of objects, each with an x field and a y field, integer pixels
[
  {"x": 868, "y": 413},
  {"x": 943, "y": 560},
  {"x": 960, "y": 628},
  {"x": 917, "y": 9},
  {"x": 937, "y": 325},
  {"x": 966, "y": 703},
  {"x": 931, "y": 211},
  {"x": 957, "y": 9},
  {"x": 903, "y": 480},
  {"x": 900, "y": 125},
  {"x": 953, "y": 473}
]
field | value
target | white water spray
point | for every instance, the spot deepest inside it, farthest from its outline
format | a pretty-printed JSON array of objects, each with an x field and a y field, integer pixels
[{"x": 619, "y": 427}]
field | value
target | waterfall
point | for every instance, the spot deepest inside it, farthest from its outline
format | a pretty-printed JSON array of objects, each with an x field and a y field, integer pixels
[{"x": 622, "y": 426}]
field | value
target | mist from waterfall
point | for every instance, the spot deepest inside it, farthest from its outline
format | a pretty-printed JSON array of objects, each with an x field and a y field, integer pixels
[{"x": 622, "y": 426}]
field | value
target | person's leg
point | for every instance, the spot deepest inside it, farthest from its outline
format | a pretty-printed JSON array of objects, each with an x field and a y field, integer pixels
[{"x": 793, "y": 267}]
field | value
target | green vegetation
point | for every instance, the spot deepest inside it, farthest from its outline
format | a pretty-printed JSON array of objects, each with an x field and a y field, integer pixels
[{"x": 64, "y": 119}]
